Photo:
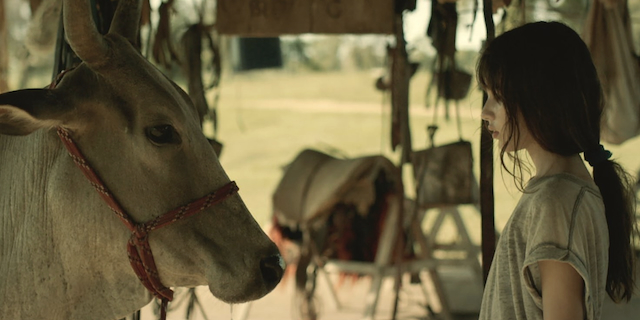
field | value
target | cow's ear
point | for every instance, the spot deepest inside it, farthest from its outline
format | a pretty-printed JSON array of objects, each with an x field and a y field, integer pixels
[{"x": 25, "y": 111}]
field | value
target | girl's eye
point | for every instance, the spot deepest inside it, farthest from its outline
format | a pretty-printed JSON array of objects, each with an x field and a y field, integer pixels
[{"x": 162, "y": 135}]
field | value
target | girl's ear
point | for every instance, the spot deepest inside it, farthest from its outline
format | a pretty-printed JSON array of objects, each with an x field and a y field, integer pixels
[{"x": 25, "y": 111}]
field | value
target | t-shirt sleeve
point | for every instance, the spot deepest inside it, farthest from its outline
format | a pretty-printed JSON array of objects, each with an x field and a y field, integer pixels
[{"x": 557, "y": 232}]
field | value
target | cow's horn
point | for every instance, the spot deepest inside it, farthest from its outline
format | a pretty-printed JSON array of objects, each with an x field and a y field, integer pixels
[
  {"x": 126, "y": 19},
  {"x": 83, "y": 37}
]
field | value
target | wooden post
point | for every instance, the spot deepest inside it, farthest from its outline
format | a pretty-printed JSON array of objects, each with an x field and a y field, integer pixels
[
  {"x": 487, "y": 205},
  {"x": 400, "y": 79},
  {"x": 4, "y": 51}
]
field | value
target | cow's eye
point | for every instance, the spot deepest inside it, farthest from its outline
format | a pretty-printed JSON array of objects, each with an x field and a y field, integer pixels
[{"x": 163, "y": 134}]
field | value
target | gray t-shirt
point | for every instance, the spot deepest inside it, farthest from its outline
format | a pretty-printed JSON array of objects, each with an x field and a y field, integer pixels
[{"x": 559, "y": 217}]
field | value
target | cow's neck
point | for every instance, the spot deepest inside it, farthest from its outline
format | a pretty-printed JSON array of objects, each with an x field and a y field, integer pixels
[{"x": 46, "y": 239}]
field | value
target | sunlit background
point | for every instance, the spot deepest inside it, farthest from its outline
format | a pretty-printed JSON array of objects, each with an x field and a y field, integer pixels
[{"x": 323, "y": 96}]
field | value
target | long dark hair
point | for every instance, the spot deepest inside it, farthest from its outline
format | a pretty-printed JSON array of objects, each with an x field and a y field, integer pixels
[{"x": 543, "y": 75}]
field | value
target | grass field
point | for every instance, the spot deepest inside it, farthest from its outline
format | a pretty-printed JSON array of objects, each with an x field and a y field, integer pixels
[{"x": 267, "y": 118}]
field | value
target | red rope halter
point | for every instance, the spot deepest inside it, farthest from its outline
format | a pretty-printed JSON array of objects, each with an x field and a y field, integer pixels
[{"x": 138, "y": 247}]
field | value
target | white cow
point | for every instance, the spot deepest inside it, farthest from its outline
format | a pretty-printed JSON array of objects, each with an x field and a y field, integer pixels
[{"x": 62, "y": 249}]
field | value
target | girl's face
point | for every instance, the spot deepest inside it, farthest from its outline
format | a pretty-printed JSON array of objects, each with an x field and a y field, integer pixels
[{"x": 496, "y": 118}]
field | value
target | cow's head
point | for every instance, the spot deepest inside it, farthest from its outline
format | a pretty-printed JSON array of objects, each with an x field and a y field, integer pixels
[{"x": 142, "y": 135}]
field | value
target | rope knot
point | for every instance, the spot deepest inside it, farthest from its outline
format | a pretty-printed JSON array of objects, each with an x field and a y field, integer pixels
[{"x": 140, "y": 233}]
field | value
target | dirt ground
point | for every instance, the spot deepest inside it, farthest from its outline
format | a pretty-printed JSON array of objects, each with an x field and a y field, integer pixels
[
  {"x": 281, "y": 303},
  {"x": 464, "y": 294}
]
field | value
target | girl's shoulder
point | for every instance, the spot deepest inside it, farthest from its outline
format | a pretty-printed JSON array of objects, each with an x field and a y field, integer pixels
[
  {"x": 556, "y": 196},
  {"x": 555, "y": 205},
  {"x": 561, "y": 185}
]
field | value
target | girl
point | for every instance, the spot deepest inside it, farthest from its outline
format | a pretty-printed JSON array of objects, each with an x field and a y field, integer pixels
[{"x": 570, "y": 238}]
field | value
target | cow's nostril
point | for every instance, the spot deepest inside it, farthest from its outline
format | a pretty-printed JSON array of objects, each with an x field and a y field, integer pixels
[{"x": 272, "y": 269}]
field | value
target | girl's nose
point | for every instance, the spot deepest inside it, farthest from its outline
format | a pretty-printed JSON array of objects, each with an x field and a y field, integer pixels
[{"x": 486, "y": 115}]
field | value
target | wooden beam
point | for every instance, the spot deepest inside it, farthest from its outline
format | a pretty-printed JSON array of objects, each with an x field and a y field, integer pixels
[
  {"x": 265, "y": 18},
  {"x": 487, "y": 205}
]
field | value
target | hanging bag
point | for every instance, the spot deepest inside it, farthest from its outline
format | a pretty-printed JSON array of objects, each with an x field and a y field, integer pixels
[{"x": 444, "y": 174}]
